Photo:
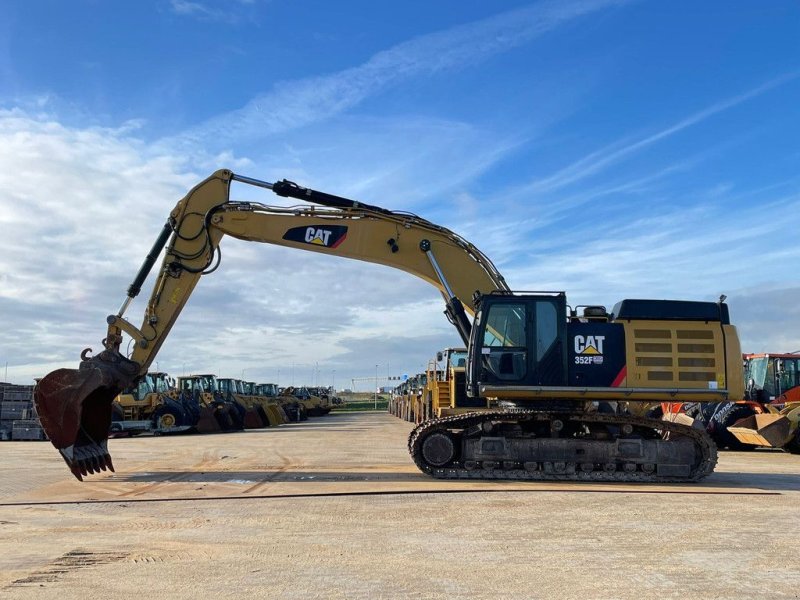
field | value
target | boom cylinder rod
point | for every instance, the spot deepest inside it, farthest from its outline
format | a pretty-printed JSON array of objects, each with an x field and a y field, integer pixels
[
  {"x": 425, "y": 246},
  {"x": 454, "y": 307},
  {"x": 251, "y": 181},
  {"x": 135, "y": 287}
]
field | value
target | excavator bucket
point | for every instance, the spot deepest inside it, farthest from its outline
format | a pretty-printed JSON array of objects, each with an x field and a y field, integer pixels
[{"x": 74, "y": 408}]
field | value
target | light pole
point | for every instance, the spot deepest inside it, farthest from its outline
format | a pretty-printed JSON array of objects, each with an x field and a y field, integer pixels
[
  {"x": 376, "y": 387},
  {"x": 333, "y": 380}
]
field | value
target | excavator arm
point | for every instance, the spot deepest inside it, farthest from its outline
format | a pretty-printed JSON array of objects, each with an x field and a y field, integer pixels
[{"x": 74, "y": 406}]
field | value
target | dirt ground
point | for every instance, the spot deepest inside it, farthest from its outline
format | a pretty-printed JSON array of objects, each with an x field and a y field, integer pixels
[{"x": 334, "y": 508}]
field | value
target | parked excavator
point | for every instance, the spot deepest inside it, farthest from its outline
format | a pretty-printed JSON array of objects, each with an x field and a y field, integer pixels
[{"x": 559, "y": 375}]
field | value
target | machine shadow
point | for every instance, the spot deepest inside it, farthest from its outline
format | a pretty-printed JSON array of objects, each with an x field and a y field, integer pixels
[
  {"x": 723, "y": 483},
  {"x": 267, "y": 476}
]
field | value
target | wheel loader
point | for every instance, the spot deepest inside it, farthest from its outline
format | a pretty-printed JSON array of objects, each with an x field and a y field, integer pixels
[
  {"x": 289, "y": 407},
  {"x": 314, "y": 405},
  {"x": 254, "y": 415},
  {"x": 404, "y": 399},
  {"x": 150, "y": 405},
  {"x": 559, "y": 375},
  {"x": 261, "y": 396},
  {"x": 395, "y": 400},
  {"x": 411, "y": 403},
  {"x": 445, "y": 385},
  {"x": 773, "y": 393},
  {"x": 206, "y": 407}
]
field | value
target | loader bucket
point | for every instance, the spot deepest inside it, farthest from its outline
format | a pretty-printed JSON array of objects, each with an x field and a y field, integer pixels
[
  {"x": 74, "y": 408},
  {"x": 253, "y": 420},
  {"x": 208, "y": 421},
  {"x": 766, "y": 429}
]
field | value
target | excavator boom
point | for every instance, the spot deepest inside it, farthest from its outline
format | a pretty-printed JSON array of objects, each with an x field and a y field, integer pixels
[{"x": 75, "y": 405}]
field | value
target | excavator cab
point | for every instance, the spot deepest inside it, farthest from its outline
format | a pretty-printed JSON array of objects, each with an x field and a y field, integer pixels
[{"x": 518, "y": 340}]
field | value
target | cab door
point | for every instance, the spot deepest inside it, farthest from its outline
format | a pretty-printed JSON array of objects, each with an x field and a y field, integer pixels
[{"x": 520, "y": 341}]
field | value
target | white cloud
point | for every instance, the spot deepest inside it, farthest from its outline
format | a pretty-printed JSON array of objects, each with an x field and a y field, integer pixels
[
  {"x": 298, "y": 103},
  {"x": 209, "y": 10},
  {"x": 80, "y": 207},
  {"x": 62, "y": 270},
  {"x": 599, "y": 160}
]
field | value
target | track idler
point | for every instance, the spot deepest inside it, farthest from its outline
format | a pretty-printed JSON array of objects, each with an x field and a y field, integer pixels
[{"x": 74, "y": 408}]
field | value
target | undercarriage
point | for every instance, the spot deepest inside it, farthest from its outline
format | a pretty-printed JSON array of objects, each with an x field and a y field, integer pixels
[{"x": 562, "y": 446}]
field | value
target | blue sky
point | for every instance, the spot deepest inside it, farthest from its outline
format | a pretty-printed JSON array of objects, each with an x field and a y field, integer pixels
[{"x": 609, "y": 149}]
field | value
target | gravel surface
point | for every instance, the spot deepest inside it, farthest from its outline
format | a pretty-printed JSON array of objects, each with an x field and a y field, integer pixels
[{"x": 334, "y": 508}]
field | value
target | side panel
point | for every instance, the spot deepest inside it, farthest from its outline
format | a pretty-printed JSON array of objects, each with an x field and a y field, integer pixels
[
  {"x": 733, "y": 350},
  {"x": 595, "y": 354},
  {"x": 676, "y": 354}
]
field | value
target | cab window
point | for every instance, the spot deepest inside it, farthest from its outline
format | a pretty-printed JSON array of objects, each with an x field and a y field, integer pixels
[{"x": 504, "y": 341}]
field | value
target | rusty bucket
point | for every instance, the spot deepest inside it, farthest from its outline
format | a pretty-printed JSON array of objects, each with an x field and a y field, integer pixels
[{"x": 74, "y": 407}]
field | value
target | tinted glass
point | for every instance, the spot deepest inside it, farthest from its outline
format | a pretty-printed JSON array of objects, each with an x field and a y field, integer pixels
[
  {"x": 546, "y": 328},
  {"x": 505, "y": 326}
]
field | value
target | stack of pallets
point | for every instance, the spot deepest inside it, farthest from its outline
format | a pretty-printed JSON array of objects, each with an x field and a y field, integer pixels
[{"x": 18, "y": 419}]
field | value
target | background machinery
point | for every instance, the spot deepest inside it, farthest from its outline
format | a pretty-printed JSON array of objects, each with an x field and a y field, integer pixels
[
  {"x": 559, "y": 376},
  {"x": 207, "y": 407},
  {"x": 254, "y": 415},
  {"x": 407, "y": 400},
  {"x": 446, "y": 385},
  {"x": 773, "y": 392},
  {"x": 773, "y": 378},
  {"x": 149, "y": 405},
  {"x": 280, "y": 406},
  {"x": 315, "y": 406}
]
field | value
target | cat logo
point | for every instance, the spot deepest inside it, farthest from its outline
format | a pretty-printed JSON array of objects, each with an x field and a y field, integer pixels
[
  {"x": 318, "y": 236},
  {"x": 589, "y": 349},
  {"x": 327, "y": 236}
]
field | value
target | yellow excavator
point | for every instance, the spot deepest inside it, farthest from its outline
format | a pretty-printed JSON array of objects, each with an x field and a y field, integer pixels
[{"x": 560, "y": 376}]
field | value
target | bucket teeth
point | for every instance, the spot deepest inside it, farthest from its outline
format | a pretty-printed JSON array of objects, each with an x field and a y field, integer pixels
[
  {"x": 76, "y": 471},
  {"x": 97, "y": 459},
  {"x": 88, "y": 459},
  {"x": 83, "y": 463}
]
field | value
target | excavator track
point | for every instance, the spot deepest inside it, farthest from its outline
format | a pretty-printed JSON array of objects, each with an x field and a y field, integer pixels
[{"x": 640, "y": 450}]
